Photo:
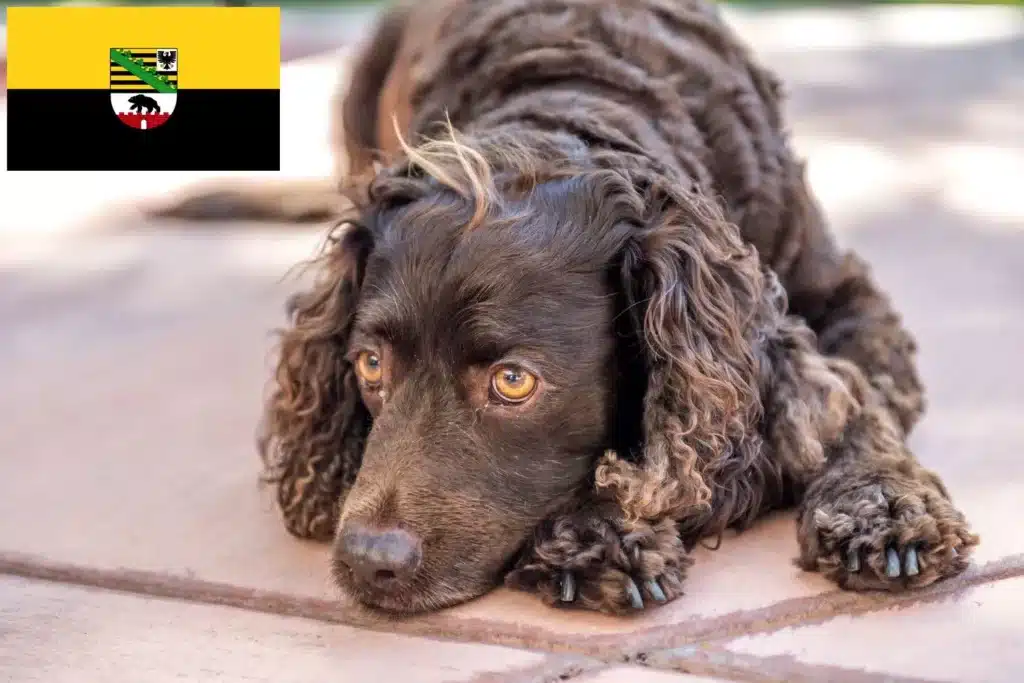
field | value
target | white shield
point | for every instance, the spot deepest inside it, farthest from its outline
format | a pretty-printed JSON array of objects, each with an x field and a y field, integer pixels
[{"x": 143, "y": 110}]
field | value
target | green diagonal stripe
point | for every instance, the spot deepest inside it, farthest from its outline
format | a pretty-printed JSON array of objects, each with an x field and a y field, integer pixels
[{"x": 141, "y": 72}]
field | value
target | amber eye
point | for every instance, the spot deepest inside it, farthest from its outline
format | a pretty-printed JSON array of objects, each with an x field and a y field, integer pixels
[
  {"x": 369, "y": 367},
  {"x": 513, "y": 384}
]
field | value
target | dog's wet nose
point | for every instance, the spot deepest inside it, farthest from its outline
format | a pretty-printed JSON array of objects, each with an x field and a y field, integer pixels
[{"x": 379, "y": 556}]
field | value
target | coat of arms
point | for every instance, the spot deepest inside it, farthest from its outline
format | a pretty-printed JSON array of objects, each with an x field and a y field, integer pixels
[{"x": 143, "y": 85}]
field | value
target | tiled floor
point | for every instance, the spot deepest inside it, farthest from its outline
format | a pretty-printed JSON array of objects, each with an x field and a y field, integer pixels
[
  {"x": 63, "y": 633},
  {"x": 139, "y": 547}
]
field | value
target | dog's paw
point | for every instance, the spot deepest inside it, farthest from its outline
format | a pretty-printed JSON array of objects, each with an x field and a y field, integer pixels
[
  {"x": 596, "y": 564},
  {"x": 893, "y": 535}
]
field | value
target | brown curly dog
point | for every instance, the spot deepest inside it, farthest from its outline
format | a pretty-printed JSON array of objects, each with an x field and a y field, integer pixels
[{"x": 603, "y": 320}]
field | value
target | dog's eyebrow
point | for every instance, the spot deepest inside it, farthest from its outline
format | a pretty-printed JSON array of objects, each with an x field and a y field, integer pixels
[
  {"x": 495, "y": 334},
  {"x": 360, "y": 339},
  {"x": 382, "y": 315},
  {"x": 390, "y": 328}
]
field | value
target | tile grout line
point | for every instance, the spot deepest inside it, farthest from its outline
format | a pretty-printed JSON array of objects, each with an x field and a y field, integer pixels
[
  {"x": 643, "y": 643},
  {"x": 705, "y": 661},
  {"x": 554, "y": 669},
  {"x": 721, "y": 663},
  {"x": 662, "y": 648},
  {"x": 818, "y": 609}
]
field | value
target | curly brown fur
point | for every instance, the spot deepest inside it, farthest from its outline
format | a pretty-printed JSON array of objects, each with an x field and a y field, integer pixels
[
  {"x": 315, "y": 425},
  {"x": 606, "y": 556},
  {"x": 622, "y": 214},
  {"x": 874, "y": 505}
]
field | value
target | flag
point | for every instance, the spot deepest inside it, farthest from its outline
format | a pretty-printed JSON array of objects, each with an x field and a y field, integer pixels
[{"x": 143, "y": 88}]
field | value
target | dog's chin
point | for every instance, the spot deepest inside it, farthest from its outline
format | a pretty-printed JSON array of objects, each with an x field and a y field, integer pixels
[{"x": 418, "y": 597}]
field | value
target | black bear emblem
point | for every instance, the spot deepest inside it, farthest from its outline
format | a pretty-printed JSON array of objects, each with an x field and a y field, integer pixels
[{"x": 140, "y": 102}]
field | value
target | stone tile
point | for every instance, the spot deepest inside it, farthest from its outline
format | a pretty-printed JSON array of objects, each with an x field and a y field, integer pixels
[
  {"x": 975, "y": 637},
  {"x": 133, "y": 374},
  {"x": 58, "y": 634},
  {"x": 632, "y": 674},
  {"x": 133, "y": 368}
]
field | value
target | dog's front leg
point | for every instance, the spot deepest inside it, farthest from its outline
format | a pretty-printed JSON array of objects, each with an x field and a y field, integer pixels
[
  {"x": 871, "y": 515},
  {"x": 590, "y": 556},
  {"x": 875, "y": 518}
]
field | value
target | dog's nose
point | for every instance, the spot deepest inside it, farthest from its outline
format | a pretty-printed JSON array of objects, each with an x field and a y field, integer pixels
[{"x": 379, "y": 556}]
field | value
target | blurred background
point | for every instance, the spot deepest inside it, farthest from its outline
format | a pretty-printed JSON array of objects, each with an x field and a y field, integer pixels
[
  {"x": 133, "y": 356},
  {"x": 909, "y": 115}
]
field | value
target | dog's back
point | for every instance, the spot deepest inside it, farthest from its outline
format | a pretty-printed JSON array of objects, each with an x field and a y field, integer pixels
[
  {"x": 663, "y": 84},
  {"x": 663, "y": 91}
]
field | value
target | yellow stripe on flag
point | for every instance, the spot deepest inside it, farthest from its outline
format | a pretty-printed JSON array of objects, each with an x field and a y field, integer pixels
[{"x": 219, "y": 48}]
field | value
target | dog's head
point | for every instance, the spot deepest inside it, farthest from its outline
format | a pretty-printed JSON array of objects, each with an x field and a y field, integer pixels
[{"x": 477, "y": 343}]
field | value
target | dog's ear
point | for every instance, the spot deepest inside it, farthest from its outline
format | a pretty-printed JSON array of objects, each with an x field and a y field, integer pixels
[
  {"x": 315, "y": 424},
  {"x": 692, "y": 287}
]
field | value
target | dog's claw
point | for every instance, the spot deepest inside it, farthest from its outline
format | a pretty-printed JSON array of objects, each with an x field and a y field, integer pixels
[
  {"x": 634, "y": 594},
  {"x": 879, "y": 497},
  {"x": 853, "y": 561},
  {"x": 955, "y": 553},
  {"x": 654, "y": 588},
  {"x": 892, "y": 563},
  {"x": 568, "y": 587},
  {"x": 910, "y": 565}
]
